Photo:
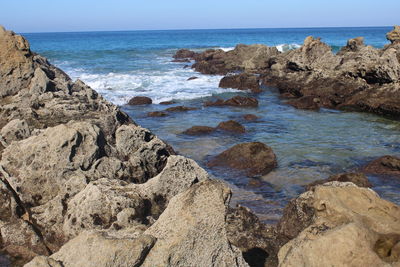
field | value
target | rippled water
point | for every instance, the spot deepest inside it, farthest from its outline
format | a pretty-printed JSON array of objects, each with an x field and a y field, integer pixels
[{"x": 309, "y": 145}]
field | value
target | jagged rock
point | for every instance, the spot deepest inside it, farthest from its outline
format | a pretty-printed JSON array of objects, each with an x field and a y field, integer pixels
[
  {"x": 191, "y": 231},
  {"x": 394, "y": 36},
  {"x": 236, "y": 101},
  {"x": 199, "y": 130},
  {"x": 387, "y": 165},
  {"x": 352, "y": 45},
  {"x": 347, "y": 225},
  {"x": 242, "y": 81},
  {"x": 358, "y": 179},
  {"x": 140, "y": 100},
  {"x": 13, "y": 131},
  {"x": 231, "y": 126},
  {"x": 253, "y": 158}
]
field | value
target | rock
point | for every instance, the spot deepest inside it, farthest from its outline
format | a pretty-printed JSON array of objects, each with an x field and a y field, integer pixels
[
  {"x": 140, "y": 100},
  {"x": 353, "y": 45},
  {"x": 184, "y": 54},
  {"x": 253, "y": 158},
  {"x": 192, "y": 78},
  {"x": 305, "y": 102},
  {"x": 231, "y": 126},
  {"x": 195, "y": 218},
  {"x": 14, "y": 130},
  {"x": 236, "y": 101},
  {"x": 157, "y": 114},
  {"x": 242, "y": 81},
  {"x": 180, "y": 109},
  {"x": 358, "y": 179},
  {"x": 250, "y": 117},
  {"x": 394, "y": 35},
  {"x": 167, "y": 102},
  {"x": 349, "y": 226},
  {"x": 183, "y": 60},
  {"x": 199, "y": 130},
  {"x": 386, "y": 165}
]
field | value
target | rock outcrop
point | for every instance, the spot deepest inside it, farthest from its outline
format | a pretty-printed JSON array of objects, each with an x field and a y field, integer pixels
[
  {"x": 394, "y": 36},
  {"x": 242, "y": 81}
]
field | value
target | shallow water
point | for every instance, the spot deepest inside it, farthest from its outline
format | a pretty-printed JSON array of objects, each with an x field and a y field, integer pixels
[{"x": 309, "y": 145}]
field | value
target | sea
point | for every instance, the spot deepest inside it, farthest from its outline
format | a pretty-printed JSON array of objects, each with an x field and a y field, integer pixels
[{"x": 309, "y": 145}]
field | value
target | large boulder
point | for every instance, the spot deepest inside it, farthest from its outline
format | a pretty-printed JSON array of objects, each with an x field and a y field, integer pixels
[
  {"x": 140, "y": 100},
  {"x": 254, "y": 159}
]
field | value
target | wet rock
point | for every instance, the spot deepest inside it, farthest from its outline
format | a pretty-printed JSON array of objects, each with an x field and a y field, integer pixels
[
  {"x": 346, "y": 224},
  {"x": 242, "y": 81},
  {"x": 250, "y": 117},
  {"x": 157, "y": 114},
  {"x": 192, "y": 78},
  {"x": 394, "y": 35},
  {"x": 180, "y": 109},
  {"x": 305, "y": 102},
  {"x": 183, "y": 60},
  {"x": 167, "y": 102},
  {"x": 386, "y": 165},
  {"x": 253, "y": 158},
  {"x": 140, "y": 100},
  {"x": 199, "y": 130},
  {"x": 236, "y": 101},
  {"x": 358, "y": 179},
  {"x": 231, "y": 126},
  {"x": 184, "y": 54}
]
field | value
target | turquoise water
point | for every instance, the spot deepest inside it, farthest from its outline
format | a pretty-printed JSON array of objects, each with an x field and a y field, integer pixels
[{"x": 309, "y": 145}]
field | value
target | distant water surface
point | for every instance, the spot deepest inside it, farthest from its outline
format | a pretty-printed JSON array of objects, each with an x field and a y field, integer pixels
[{"x": 309, "y": 145}]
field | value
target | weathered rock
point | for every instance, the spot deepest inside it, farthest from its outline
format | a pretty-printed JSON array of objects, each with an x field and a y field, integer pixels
[
  {"x": 242, "y": 81},
  {"x": 199, "y": 130},
  {"x": 253, "y": 158},
  {"x": 231, "y": 126},
  {"x": 358, "y": 179},
  {"x": 184, "y": 54},
  {"x": 194, "y": 219},
  {"x": 14, "y": 130},
  {"x": 394, "y": 36},
  {"x": 180, "y": 109},
  {"x": 157, "y": 114},
  {"x": 140, "y": 100},
  {"x": 236, "y": 101},
  {"x": 353, "y": 45},
  {"x": 387, "y": 165},
  {"x": 350, "y": 226}
]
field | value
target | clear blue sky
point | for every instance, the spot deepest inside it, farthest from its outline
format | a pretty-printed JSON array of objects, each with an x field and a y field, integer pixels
[{"x": 85, "y": 15}]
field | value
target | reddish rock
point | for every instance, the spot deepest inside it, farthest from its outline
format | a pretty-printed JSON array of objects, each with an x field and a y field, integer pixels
[
  {"x": 231, "y": 126},
  {"x": 387, "y": 165},
  {"x": 192, "y": 78},
  {"x": 180, "y": 109},
  {"x": 254, "y": 158},
  {"x": 184, "y": 53},
  {"x": 358, "y": 179},
  {"x": 241, "y": 81},
  {"x": 157, "y": 114},
  {"x": 236, "y": 101},
  {"x": 250, "y": 117},
  {"x": 140, "y": 100},
  {"x": 167, "y": 102},
  {"x": 199, "y": 130}
]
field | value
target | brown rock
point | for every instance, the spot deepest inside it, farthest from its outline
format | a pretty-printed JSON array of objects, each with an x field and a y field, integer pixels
[
  {"x": 236, "y": 101},
  {"x": 305, "y": 102},
  {"x": 231, "y": 126},
  {"x": 184, "y": 60},
  {"x": 157, "y": 114},
  {"x": 192, "y": 78},
  {"x": 254, "y": 158},
  {"x": 199, "y": 130},
  {"x": 353, "y": 45},
  {"x": 183, "y": 54},
  {"x": 250, "y": 117},
  {"x": 180, "y": 109},
  {"x": 394, "y": 35},
  {"x": 242, "y": 81},
  {"x": 140, "y": 100},
  {"x": 387, "y": 165},
  {"x": 358, "y": 179},
  {"x": 167, "y": 102}
]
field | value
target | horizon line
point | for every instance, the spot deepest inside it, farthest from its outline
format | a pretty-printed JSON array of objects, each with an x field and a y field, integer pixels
[{"x": 200, "y": 29}]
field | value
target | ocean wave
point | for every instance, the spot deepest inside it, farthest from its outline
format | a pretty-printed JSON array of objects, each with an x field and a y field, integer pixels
[{"x": 287, "y": 47}]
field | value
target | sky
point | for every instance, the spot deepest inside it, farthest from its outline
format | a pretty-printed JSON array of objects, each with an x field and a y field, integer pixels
[{"x": 97, "y": 15}]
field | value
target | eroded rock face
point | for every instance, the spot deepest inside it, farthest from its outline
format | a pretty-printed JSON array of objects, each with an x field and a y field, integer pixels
[
  {"x": 394, "y": 36},
  {"x": 254, "y": 159},
  {"x": 346, "y": 226}
]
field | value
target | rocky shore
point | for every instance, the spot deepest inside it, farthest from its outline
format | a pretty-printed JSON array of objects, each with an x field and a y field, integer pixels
[
  {"x": 358, "y": 77},
  {"x": 82, "y": 185}
]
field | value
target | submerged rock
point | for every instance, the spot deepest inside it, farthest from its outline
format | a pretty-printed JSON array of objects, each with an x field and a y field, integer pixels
[
  {"x": 167, "y": 102},
  {"x": 199, "y": 130},
  {"x": 250, "y": 117},
  {"x": 140, "y": 100},
  {"x": 180, "y": 109},
  {"x": 231, "y": 126},
  {"x": 192, "y": 78},
  {"x": 386, "y": 165},
  {"x": 157, "y": 114},
  {"x": 236, "y": 101},
  {"x": 254, "y": 159},
  {"x": 242, "y": 81}
]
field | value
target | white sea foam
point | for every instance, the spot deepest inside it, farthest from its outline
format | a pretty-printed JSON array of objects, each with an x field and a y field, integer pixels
[
  {"x": 287, "y": 47},
  {"x": 226, "y": 49},
  {"x": 158, "y": 85}
]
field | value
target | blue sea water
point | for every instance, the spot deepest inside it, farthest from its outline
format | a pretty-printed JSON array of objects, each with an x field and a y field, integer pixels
[{"x": 309, "y": 145}]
